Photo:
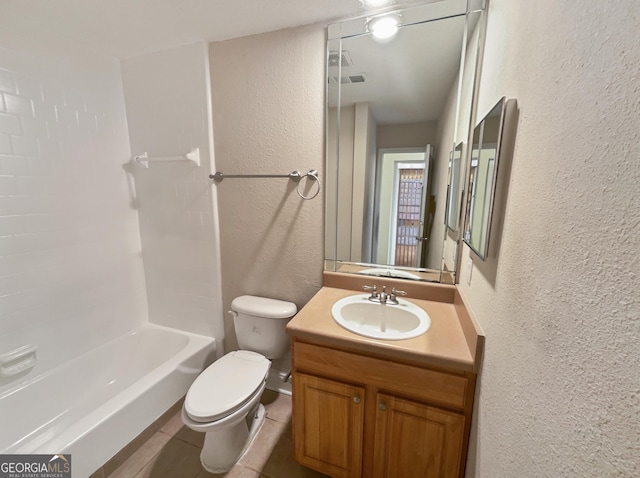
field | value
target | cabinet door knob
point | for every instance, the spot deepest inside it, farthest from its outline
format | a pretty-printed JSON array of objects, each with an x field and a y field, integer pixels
[
  {"x": 382, "y": 406},
  {"x": 356, "y": 399}
]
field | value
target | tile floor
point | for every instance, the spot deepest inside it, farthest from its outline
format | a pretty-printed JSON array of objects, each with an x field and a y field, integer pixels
[{"x": 174, "y": 450}]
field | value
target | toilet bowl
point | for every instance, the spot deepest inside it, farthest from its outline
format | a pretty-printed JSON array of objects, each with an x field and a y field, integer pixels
[
  {"x": 224, "y": 400},
  {"x": 224, "y": 403}
]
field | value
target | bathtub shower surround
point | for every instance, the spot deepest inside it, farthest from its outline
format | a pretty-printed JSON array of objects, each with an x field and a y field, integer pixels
[
  {"x": 72, "y": 280},
  {"x": 71, "y": 274},
  {"x": 168, "y": 112},
  {"x": 127, "y": 383}
]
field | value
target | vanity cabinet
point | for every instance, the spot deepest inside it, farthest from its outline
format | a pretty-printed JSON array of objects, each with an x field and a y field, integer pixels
[
  {"x": 415, "y": 439},
  {"x": 362, "y": 415},
  {"x": 330, "y": 419}
]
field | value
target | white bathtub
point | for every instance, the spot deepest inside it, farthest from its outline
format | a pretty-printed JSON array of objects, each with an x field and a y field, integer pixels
[{"x": 95, "y": 404}]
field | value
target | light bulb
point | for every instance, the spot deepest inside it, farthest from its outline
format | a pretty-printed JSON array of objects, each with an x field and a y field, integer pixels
[
  {"x": 375, "y": 3},
  {"x": 385, "y": 27}
]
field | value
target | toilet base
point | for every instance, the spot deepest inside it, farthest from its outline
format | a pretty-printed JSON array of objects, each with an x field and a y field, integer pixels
[{"x": 223, "y": 448}]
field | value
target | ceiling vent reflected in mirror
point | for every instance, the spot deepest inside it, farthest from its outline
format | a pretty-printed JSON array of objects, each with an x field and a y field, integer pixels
[
  {"x": 343, "y": 60},
  {"x": 336, "y": 59},
  {"x": 348, "y": 79}
]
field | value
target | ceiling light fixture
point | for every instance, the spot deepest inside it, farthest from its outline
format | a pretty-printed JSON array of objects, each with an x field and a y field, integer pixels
[
  {"x": 375, "y": 3},
  {"x": 384, "y": 27}
]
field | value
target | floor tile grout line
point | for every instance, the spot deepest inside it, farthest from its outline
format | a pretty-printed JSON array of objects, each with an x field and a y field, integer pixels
[
  {"x": 178, "y": 438},
  {"x": 281, "y": 420},
  {"x": 248, "y": 466},
  {"x": 145, "y": 464},
  {"x": 139, "y": 472},
  {"x": 187, "y": 442}
]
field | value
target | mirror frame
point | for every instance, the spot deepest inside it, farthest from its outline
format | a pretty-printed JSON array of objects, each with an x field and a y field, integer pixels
[{"x": 470, "y": 224}]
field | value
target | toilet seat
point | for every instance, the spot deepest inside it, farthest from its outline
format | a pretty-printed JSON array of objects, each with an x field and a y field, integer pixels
[{"x": 226, "y": 385}]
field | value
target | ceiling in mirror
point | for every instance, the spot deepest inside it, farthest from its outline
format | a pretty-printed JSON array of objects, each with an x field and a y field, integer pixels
[
  {"x": 407, "y": 79},
  {"x": 395, "y": 109}
]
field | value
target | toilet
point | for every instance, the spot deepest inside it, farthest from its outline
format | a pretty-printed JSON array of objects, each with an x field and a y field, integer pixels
[{"x": 224, "y": 400}]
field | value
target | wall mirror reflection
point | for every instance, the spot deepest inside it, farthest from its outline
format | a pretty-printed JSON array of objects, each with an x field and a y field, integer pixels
[
  {"x": 483, "y": 170},
  {"x": 395, "y": 109}
]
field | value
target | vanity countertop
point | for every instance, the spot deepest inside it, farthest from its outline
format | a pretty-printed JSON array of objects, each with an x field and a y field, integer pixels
[{"x": 451, "y": 342}]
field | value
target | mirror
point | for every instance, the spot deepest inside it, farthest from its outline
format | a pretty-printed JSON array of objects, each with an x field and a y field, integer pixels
[
  {"x": 395, "y": 110},
  {"x": 483, "y": 170},
  {"x": 453, "y": 190}
]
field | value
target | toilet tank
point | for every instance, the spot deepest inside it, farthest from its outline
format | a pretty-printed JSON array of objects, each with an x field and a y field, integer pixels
[{"x": 260, "y": 324}]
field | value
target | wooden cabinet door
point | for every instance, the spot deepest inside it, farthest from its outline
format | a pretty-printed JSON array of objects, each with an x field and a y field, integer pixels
[
  {"x": 327, "y": 425},
  {"x": 413, "y": 439}
]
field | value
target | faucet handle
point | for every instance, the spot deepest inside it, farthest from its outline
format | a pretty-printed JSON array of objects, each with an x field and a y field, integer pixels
[
  {"x": 395, "y": 292},
  {"x": 373, "y": 289}
]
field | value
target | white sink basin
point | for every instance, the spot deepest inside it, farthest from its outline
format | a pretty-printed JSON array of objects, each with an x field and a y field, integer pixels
[
  {"x": 359, "y": 315},
  {"x": 398, "y": 273}
]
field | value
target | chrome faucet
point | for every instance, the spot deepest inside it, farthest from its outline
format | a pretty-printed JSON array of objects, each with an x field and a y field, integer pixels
[
  {"x": 392, "y": 297},
  {"x": 374, "y": 292},
  {"x": 382, "y": 297}
]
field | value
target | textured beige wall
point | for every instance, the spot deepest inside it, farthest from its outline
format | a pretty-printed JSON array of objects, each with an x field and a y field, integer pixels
[
  {"x": 363, "y": 166},
  {"x": 445, "y": 139},
  {"x": 339, "y": 193},
  {"x": 559, "y": 300},
  {"x": 268, "y": 104}
]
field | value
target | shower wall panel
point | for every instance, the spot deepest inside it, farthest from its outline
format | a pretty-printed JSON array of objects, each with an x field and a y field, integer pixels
[
  {"x": 71, "y": 271},
  {"x": 168, "y": 114}
]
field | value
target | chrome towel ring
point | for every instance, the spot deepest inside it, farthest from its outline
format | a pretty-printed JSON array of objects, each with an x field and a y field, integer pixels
[{"x": 313, "y": 175}]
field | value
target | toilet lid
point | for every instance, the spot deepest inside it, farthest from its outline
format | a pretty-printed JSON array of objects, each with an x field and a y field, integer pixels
[{"x": 226, "y": 385}]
